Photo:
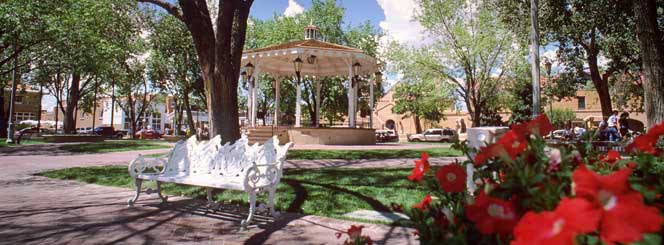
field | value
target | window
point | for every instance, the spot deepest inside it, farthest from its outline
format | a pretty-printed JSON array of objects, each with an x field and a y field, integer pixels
[
  {"x": 156, "y": 121},
  {"x": 582, "y": 102},
  {"x": 18, "y": 100},
  {"x": 22, "y": 116}
]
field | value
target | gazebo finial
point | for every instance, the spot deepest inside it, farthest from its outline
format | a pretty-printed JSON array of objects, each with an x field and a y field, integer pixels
[{"x": 311, "y": 31}]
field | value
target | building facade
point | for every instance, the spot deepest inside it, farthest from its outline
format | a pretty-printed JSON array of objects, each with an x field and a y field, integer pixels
[
  {"x": 585, "y": 104},
  {"x": 26, "y": 103}
]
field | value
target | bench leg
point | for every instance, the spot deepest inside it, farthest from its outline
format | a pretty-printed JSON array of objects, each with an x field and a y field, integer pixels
[
  {"x": 137, "y": 183},
  {"x": 162, "y": 197},
  {"x": 271, "y": 201},
  {"x": 252, "y": 209}
]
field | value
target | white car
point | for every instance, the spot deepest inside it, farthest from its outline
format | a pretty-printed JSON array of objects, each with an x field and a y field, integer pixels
[{"x": 435, "y": 135}]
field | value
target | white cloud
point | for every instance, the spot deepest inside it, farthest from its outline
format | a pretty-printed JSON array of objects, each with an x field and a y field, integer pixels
[
  {"x": 293, "y": 9},
  {"x": 399, "y": 24}
]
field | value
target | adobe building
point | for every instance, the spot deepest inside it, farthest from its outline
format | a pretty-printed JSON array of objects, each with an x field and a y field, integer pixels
[
  {"x": 584, "y": 104},
  {"x": 26, "y": 103}
]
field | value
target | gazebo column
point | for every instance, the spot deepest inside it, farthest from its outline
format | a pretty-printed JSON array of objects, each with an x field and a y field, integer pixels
[
  {"x": 318, "y": 101},
  {"x": 277, "y": 99},
  {"x": 371, "y": 103},
  {"x": 254, "y": 93},
  {"x": 351, "y": 97},
  {"x": 250, "y": 92},
  {"x": 298, "y": 108}
]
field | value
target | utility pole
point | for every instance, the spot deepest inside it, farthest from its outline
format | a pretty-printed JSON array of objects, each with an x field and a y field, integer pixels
[
  {"x": 534, "y": 53},
  {"x": 15, "y": 77}
]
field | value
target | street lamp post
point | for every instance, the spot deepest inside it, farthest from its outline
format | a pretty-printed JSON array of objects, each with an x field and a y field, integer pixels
[
  {"x": 549, "y": 83},
  {"x": 547, "y": 67},
  {"x": 247, "y": 76},
  {"x": 15, "y": 77}
]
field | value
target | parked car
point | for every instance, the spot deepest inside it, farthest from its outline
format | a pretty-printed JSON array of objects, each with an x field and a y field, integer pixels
[
  {"x": 28, "y": 133},
  {"x": 87, "y": 130},
  {"x": 386, "y": 136},
  {"x": 435, "y": 135},
  {"x": 148, "y": 134},
  {"x": 110, "y": 132}
]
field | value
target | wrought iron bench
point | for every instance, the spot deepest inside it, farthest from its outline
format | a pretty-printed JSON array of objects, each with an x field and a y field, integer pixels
[{"x": 238, "y": 166}]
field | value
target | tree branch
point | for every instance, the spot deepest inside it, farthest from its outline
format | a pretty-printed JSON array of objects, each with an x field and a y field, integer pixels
[{"x": 170, "y": 8}]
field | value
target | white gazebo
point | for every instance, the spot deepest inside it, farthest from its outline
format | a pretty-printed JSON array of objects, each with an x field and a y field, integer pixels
[{"x": 314, "y": 58}]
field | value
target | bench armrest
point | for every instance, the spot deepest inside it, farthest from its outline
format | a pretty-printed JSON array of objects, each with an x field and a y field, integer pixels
[
  {"x": 262, "y": 175},
  {"x": 142, "y": 164}
]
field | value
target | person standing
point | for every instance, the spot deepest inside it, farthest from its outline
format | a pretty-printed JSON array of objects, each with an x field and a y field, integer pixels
[
  {"x": 613, "y": 127},
  {"x": 623, "y": 124}
]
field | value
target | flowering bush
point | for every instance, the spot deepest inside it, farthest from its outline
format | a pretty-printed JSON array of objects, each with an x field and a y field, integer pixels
[{"x": 522, "y": 191}]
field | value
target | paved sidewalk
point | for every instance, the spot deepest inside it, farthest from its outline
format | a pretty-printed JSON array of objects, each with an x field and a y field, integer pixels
[{"x": 38, "y": 210}]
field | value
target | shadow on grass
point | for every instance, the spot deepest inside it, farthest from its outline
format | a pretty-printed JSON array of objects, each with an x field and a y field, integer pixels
[{"x": 330, "y": 192}]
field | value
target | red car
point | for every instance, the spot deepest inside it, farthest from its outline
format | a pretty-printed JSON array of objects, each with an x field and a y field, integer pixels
[{"x": 148, "y": 134}]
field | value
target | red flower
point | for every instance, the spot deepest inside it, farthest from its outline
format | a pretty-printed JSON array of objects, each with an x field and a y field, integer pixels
[
  {"x": 657, "y": 130},
  {"x": 492, "y": 215},
  {"x": 647, "y": 143},
  {"x": 625, "y": 218},
  {"x": 424, "y": 204},
  {"x": 452, "y": 178},
  {"x": 421, "y": 167},
  {"x": 355, "y": 231},
  {"x": 644, "y": 143},
  {"x": 539, "y": 126},
  {"x": 571, "y": 217},
  {"x": 632, "y": 165},
  {"x": 355, "y": 235},
  {"x": 610, "y": 157},
  {"x": 509, "y": 145}
]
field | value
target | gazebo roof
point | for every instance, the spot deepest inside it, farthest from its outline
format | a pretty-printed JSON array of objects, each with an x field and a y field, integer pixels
[
  {"x": 311, "y": 43},
  {"x": 330, "y": 59}
]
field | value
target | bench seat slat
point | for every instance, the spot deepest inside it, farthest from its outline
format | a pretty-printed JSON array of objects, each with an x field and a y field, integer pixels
[{"x": 221, "y": 182}]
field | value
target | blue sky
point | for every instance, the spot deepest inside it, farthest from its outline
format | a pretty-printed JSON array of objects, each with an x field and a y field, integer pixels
[{"x": 357, "y": 11}]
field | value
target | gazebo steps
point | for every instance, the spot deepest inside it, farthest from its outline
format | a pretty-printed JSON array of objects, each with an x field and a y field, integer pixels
[{"x": 262, "y": 134}]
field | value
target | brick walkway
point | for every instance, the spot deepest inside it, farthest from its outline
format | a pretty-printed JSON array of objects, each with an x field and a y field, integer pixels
[{"x": 38, "y": 210}]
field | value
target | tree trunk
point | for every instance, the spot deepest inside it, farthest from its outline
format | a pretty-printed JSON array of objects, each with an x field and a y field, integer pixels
[
  {"x": 534, "y": 55},
  {"x": 652, "y": 54},
  {"x": 418, "y": 125},
  {"x": 190, "y": 117},
  {"x": 601, "y": 86},
  {"x": 69, "y": 121},
  {"x": 219, "y": 55}
]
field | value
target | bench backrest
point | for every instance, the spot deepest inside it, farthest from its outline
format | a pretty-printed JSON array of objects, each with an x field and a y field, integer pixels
[{"x": 230, "y": 160}]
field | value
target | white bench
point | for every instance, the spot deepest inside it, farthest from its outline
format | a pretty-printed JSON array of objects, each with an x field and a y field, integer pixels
[{"x": 238, "y": 166}]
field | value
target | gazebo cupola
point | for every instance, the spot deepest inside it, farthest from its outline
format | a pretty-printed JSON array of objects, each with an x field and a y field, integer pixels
[{"x": 312, "y": 32}]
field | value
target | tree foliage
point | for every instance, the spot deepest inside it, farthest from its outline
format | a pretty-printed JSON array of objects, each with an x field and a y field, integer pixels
[
  {"x": 469, "y": 48},
  {"x": 421, "y": 99},
  {"x": 586, "y": 33}
]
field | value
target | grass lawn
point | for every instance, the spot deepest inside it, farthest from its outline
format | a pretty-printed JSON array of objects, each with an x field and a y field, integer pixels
[
  {"x": 3, "y": 142},
  {"x": 115, "y": 146},
  {"x": 370, "y": 154},
  {"x": 329, "y": 192}
]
